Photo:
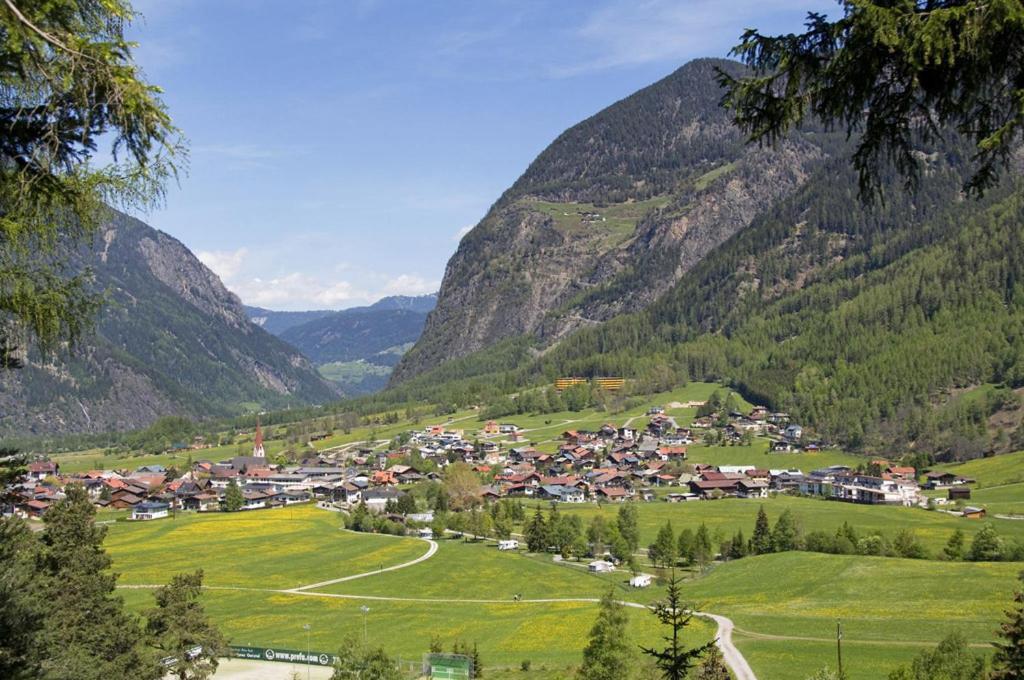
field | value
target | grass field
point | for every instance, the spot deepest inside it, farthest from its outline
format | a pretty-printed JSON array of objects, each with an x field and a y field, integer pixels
[
  {"x": 259, "y": 552},
  {"x": 890, "y": 608},
  {"x": 997, "y": 470},
  {"x": 462, "y": 570},
  {"x": 784, "y": 606},
  {"x": 282, "y": 548},
  {"x": 724, "y": 517}
]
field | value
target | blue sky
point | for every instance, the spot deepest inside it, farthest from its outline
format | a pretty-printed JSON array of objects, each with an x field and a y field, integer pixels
[{"x": 340, "y": 148}]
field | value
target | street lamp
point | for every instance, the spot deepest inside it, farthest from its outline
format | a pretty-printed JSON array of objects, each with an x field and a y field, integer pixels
[
  {"x": 365, "y": 610},
  {"x": 306, "y": 628}
]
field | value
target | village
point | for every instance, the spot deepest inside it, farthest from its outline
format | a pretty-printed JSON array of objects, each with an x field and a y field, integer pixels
[{"x": 613, "y": 464}]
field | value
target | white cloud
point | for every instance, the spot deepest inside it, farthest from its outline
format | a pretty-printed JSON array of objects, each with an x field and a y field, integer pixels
[
  {"x": 462, "y": 232},
  {"x": 410, "y": 284},
  {"x": 628, "y": 33},
  {"x": 226, "y": 264}
]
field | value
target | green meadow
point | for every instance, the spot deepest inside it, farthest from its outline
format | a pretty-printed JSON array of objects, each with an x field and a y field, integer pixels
[
  {"x": 889, "y": 608},
  {"x": 281, "y": 548},
  {"x": 785, "y": 606}
]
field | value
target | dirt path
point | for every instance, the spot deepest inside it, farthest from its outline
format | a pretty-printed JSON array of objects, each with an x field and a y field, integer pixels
[{"x": 422, "y": 558}]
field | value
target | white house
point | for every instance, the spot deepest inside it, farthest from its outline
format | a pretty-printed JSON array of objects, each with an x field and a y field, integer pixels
[
  {"x": 600, "y": 567},
  {"x": 510, "y": 544},
  {"x": 640, "y": 581},
  {"x": 150, "y": 510}
]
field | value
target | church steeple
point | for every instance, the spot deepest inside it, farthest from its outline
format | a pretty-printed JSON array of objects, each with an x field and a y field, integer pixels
[{"x": 257, "y": 442}]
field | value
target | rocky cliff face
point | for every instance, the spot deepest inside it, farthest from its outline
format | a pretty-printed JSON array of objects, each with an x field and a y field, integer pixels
[
  {"x": 608, "y": 218},
  {"x": 171, "y": 339}
]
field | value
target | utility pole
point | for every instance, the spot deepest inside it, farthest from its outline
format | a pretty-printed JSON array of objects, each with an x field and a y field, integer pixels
[{"x": 839, "y": 646}]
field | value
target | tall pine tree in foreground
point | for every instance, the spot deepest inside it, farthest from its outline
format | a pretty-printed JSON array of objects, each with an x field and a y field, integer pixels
[
  {"x": 608, "y": 654},
  {"x": 1008, "y": 661},
  {"x": 179, "y": 628},
  {"x": 675, "y": 660},
  {"x": 86, "y": 635}
]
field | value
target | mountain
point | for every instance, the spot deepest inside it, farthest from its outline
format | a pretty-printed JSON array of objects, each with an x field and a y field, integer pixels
[
  {"x": 413, "y": 303},
  {"x": 171, "y": 339},
  {"x": 358, "y": 347},
  {"x": 609, "y": 217},
  {"x": 276, "y": 323},
  {"x": 887, "y": 326}
]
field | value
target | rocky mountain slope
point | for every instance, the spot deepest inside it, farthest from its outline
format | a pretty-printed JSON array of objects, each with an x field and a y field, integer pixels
[
  {"x": 171, "y": 339},
  {"x": 609, "y": 217}
]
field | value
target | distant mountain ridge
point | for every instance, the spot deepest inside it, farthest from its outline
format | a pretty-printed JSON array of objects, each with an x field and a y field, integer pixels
[
  {"x": 356, "y": 347},
  {"x": 171, "y": 339},
  {"x": 275, "y": 322}
]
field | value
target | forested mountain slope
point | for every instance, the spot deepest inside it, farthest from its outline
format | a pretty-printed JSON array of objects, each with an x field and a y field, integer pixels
[
  {"x": 864, "y": 321},
  {"x": 171, "y": 339},
  {"x": 608, "y": 217},
  {"x": 275, "y": 322}
]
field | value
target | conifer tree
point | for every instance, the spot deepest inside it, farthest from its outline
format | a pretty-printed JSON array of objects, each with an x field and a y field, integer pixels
[
  {"x": 761, "y": 541},
  {"x": 954, "y": 549},
  {"x": 87, "y": 635},
  {"x": 663, "y": 552},
  {"x": 1008, "y": 660},
  {"x": 786, "y": 534},
  {"x": 179, "y": 628},
  {"x": 675, "y": 660},
  {"x": 536, "y": 533},
  {"x": 608, "y": 655},
  {"x": 628, "y": 524}
]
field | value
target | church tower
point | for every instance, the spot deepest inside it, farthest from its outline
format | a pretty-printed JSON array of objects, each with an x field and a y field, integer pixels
[{"x": 257, "y": 442}]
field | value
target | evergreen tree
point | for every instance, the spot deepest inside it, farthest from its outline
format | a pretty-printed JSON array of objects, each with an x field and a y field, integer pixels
[
  {"x": 608, "y": 655},
  {"x": 898, "y": 72},
  {"x": 70, "y": 84},
  {"x": 986, "y": 546},
  {"x": 234, "y": 500},
  {"x": 663, "y": 551},
  {"x": 178, "y": 626},
  {"x": 685, "y": 546},
  {"x": 761, "y": 541},
  {"x": 786, "y": 534},
  {"x": 954, "y": 549},
  {"x": 702, "y": 553},
  {"x": 738, "y": 546},
  {"x": 629, "y": 526},
  {"x": 86, "y": 635},
  {"x": 1008, "y": 660},
  {"x": 21, "y": 604},
  {"x": 675, "y": 660},
  {"x": 536, "y": 533}
]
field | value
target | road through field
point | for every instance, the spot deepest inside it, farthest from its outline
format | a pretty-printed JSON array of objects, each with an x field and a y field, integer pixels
[
  {"x": 426, "y": 556},
  {"x": 733, "y": 657}
]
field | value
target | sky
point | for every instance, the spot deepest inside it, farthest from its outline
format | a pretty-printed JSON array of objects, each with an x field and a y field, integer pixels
[{"x": 339, "y": 149}]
